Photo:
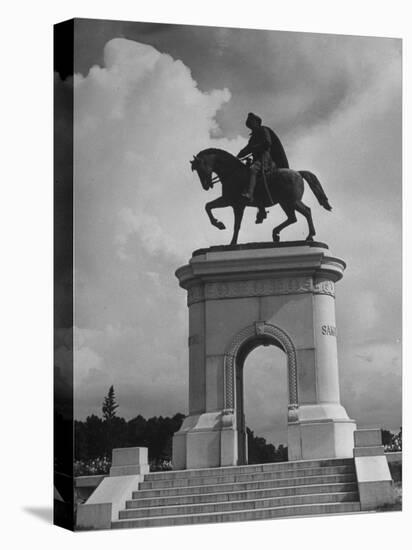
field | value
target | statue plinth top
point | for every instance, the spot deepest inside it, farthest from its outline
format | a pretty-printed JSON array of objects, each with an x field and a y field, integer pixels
[
  {"x": 258, "y": 246},
  {"x": 261, "y": 260}
]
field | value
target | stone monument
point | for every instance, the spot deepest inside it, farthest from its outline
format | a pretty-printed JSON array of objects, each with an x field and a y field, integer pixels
[{"x": 240, "y": 297}]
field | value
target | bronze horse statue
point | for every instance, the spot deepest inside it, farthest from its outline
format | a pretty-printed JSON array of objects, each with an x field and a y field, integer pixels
[{"x": 283, "y": 186}]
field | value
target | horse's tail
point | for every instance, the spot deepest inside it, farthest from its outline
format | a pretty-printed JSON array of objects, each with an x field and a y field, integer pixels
[{"x": 316, "y": 187}]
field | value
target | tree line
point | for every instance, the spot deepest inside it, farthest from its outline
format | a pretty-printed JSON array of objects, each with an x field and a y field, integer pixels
[{"x": 96, "y": 437}]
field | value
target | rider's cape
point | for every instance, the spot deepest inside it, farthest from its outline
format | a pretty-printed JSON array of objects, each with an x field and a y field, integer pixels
[{"x": 277, "y": 151}]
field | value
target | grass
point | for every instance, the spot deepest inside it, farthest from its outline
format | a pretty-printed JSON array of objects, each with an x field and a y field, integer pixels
[{"x": 397, "y": 504}]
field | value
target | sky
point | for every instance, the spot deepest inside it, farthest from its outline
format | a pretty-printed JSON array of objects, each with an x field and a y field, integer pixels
[{"x": 149, "y": 96}]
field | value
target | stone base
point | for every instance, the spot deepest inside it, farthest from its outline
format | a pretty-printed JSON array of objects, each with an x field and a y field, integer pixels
[
  {"x": 102, "y": 507},
  {"x": 107, "y": 500},
  {"x": 211, "y": 440},
  {"x": 375, "y": 482},
  {"x": 320, "y": 431},
  {"x": 205, "y": 441},
  {"x": 324, "y": 439}
]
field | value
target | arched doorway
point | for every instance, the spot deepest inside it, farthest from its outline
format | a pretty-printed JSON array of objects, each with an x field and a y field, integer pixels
[
  {"x": 258, "y": 334},
  {"x": 265, "y": 404}
]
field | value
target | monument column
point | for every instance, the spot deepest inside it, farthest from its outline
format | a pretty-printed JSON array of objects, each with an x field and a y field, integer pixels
[
  {"x": 324, "y": 325},
  {"x": 320, "y": 427},
  {"x": 249, "y": 295}
]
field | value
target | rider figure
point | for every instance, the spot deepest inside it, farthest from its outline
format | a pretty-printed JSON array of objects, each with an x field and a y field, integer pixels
[{"x": 266, "y": 149}]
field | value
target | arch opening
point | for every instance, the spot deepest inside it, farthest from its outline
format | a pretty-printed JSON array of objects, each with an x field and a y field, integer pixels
[
  {"x": 263, "y": 400},
  {"x": 251, "y": 337}
]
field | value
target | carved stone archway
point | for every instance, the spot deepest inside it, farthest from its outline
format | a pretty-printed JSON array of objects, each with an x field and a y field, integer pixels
[{"x": 254, "y": 335}]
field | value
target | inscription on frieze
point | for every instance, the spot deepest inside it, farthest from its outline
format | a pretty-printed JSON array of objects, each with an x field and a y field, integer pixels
[
  {"x": 222, "y": 290},
  {"x": 259, "y": 287}
]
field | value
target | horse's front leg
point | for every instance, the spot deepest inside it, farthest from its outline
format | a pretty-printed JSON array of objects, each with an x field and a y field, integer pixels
[
  {"x": 217, "y": 203},
  {"x": 238, "y": 211},
  {"x": 291, "y": 218}
]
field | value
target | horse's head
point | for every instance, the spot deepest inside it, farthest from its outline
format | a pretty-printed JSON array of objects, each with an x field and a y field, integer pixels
[{"x": 203, "y": 165}]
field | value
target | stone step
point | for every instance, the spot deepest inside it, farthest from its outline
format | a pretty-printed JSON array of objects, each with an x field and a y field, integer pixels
[
  {"x": 246, "y": 515},
  {"x": 249, "y": 468},
  {"x": 244, "y": 486},
  {"x": 220, "y": 477},
  {"x": 241, "y": 495},
  {"x": 238, "y": 505}
]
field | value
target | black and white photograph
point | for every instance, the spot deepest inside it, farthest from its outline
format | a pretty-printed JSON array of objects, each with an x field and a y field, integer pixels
[
  {"x": 205, "y": 274},
  {"x": 236, "y": 321}
]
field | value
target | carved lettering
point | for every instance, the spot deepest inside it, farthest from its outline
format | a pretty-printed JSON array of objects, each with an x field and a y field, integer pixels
[
  {"x": 259, "y": 287},
  {"x": 305, "y": 285},
  {"x": 328, "y": 330},
  {"x": 222, "y": 290}
]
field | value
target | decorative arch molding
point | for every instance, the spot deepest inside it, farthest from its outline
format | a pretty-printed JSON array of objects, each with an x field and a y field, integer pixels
[{"x": 258, "y": 332}]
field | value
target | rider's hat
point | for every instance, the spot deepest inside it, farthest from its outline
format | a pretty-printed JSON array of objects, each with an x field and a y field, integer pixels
[{"x": 252, "y": 116}]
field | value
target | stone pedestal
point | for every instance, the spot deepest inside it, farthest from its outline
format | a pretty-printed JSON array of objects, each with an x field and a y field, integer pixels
[
  {"x": 129, "y": 461},
  {"x": 374, "y": 479},
  {"x": 261, "y": 294}
]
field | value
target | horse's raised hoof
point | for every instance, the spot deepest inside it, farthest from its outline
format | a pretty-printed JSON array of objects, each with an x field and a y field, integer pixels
[
  {"x": 275, "y": 237},
  {"x": 219, "y": 225}
]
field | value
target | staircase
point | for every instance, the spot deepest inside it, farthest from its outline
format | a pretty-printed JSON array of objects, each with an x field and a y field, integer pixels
[{"x": 242, "y": 493}]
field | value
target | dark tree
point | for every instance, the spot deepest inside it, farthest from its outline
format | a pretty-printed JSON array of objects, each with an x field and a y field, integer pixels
[
  {"x": 398, "y": 439},
  {"x": 281, "y": 454},
  {"x": 260, "y": 452},
  {"x": 387, "y": 437},
  {"x": 89, "y": 438},
  {"x": 96, "y": 437},
  {"x": 109, "y": 405}
]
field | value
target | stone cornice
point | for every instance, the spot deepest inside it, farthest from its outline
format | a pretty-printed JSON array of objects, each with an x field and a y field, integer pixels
[{"x": 221, "y": 274}]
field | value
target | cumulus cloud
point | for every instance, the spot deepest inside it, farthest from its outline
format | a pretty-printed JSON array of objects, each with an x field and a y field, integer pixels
[{"x": 138, "y": 121}]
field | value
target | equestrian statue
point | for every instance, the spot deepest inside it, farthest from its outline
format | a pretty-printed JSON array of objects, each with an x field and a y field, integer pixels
[{"x": 260, "y": 182}]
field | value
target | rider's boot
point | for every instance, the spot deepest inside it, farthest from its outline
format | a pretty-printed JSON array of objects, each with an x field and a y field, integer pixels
[
  {"x": 261, "y": 215},
  {"x": 252, "y": 184}
]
